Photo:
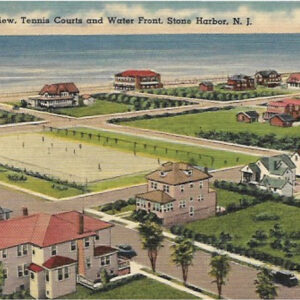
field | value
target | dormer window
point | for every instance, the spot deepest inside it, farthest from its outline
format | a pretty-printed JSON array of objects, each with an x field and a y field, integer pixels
[
  {"x": 162, "y": 173},
  {"x": 189, "y": 172}
]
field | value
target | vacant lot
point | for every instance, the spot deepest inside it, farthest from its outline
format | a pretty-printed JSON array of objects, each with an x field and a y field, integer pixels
[
  {"x": 242, "y": 225},
  {"x": 157, "y": 149},
  {"x": 70, "y": 160},
  {"x": 224, "y": 120},
  {"x": 144, "y": 288}
]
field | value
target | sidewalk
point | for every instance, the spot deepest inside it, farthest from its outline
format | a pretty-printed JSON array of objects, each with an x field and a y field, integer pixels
[{"x": 137, "y": 269}]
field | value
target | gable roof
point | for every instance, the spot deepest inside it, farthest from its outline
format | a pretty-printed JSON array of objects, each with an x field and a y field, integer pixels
[
  {"x": 272, "y": 182},
  {"x": 295, "y": 77},
  {"x": 4, "y": 210},
  {"x": 284, "y": 117},
  {"x": 252, "y": 114},
  {"x": 57, "y": 88},
  {"x": 207, "y": 83},
  {"x": 156, "y": 196},
  {"x": 103, "y": 250},
  {"x": 137, "y": 73},
  {"x": 275, "y": 166},
  {"x": 267, "y": 73},
  {"x": 58, "y": 261},
  {"x": 239, "y": 77},
  {"x": 254, "y": 168},
  {"x": 42, "y": 229},
  {"x": 176, "y": 173}
]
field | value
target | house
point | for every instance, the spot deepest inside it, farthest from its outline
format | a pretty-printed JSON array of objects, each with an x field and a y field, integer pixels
[
  {"x": 88, "y": 99},
  {"x": 269, "y": 78},
  {"x": 247, "y": 116},
  {"x": 275, "y": 173},
  {"x": 240, "y": 82},
  {"x": 289, "y": 106},
  {"x": 282, "y": 120},
  {"x": 206, "y": 86},
  {"x": 293, "y": 81},
  {"x": 56, "y": 95},
  {"x": 5, "y": 213},
  {"x": 295, "y": 157},
  {"x": 50, "y": 254},
  {"x": 137, "y": 79},
  {"x": 178, "y": 193}
]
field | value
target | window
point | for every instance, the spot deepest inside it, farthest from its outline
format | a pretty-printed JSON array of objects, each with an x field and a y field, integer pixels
[
  {"x": 191, "y": 198},
  {"x": 19, "y": 250},
  {"x": 4, "y": 253},
  {"x": 26, "y": 271},
  {"x": 32, "y": 275},
  {"x": 105, "y": 260},
  {"x": 73, "y": 245},
  {"x": 182, "y": 204},
  {"x": 200, "y": 198},
  {"x": 59, "y": 274},
  {"x": 53, "y": 250},
  {"x": 66, "y": 271},
  {"x": 20, "y": 271},
  {"x": 166, "y": 188},
  {"x": 25, "y": 249},
  {"x": 86, "y": 242},
  {"x": 33, "y": 251},
  {"x": 88, "y": 263},
  {"x": 5, "y": 274},
  {"x": 182, "y": 188},
  {"x": 97, "y": 237},
  {"x": 201, "y": 184},
  {"x": 47, "y": 276},
  {"x": 191, "y": 185},
  {"x": 191, "y": 211}
]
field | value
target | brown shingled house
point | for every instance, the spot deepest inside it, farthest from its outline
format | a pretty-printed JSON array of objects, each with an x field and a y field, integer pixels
[{"x": 178, "y": 193}]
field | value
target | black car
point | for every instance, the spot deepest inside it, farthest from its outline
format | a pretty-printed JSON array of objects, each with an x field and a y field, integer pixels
[
  {"x": 126, "y": 251},
  {"x": 285, "y": 278}
]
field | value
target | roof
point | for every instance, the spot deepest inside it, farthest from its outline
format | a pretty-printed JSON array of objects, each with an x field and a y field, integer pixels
[
  {"x": 137, "y": 73},
  {"x": 41, "y": 229},
  {"x": 267, "y": 73},
  {"x": 35, "y": 268},
  {"x": 4, "y": 210},
  {"x": 295, "y": 77},
  {"x": 275, "y": 166},
  {"x": 86, "y": 96},
  {"x": 177, "y": 173},
  {"x": 156, "y": 196},
  {"x": 254, "y": 168},
  {"x": 284, "y": 117},
  {"x": 207, "y": 83},
  {"x": 57, "y": 88},
  {"x": 103, "y": 250},
  {"x": 285, "y": 102},
  {"x": 239, "y": 77},
  {"x": 272, "y": 182},
  {"x": 58, "y": 261},
  {"x": 251, "y": 113}
]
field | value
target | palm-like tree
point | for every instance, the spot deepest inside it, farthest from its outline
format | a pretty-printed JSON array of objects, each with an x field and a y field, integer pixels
[
  {"x": 220, "y": 268},
  {"x": 152, "y": 238},
  {"x": 183, "y": 252},
  {"x": 265, "y": 287}
]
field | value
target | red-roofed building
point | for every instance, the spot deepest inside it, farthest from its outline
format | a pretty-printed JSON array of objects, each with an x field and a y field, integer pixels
[
  {"x": 50, "y": 254},
  {"x": 137, "y": 80},
  {"x": 288, "y": 106},
  {"x": 293, "y": 81},
  {"x": 56, "y": 95}
]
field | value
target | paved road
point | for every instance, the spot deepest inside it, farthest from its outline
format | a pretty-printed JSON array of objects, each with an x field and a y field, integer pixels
[{"x": 240, "y": 282}]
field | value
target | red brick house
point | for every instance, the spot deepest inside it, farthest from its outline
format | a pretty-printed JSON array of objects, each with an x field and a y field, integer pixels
[
  {"x": 240, "y": 82},
  {"x": 247, "y": 116},
  {"x": 269, "y": 78},
  {"x": 282, "y": 120},
  {"x": 137, "y": 79},
  {"x": 287, "y": 106},
  {"x": 206, "y": 86},
  {"x": 178, "y": 193},
  {"x": 293, "y": 81}
]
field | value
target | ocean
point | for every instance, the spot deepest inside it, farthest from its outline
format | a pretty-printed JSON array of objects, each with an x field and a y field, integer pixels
[{"x": 28, "y": 62}]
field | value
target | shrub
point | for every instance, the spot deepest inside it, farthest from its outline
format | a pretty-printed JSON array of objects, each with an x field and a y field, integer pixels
[
  {"x": 266, "y": 216},
  {"x": 16, "y": 177}
]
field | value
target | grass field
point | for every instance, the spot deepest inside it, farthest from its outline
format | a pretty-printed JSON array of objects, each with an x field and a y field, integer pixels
[
  {"x": 100, "y": 107},
  {"x": 242, "y": 225},
  {"x": 144, "y": 288},
  {"x": 224, "y": 120},
  {"x": 157, "y": 149}
]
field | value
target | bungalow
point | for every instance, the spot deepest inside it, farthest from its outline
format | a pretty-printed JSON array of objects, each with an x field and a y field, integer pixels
[
  {"x": 276, "y": 174},
  {"x": 206, "y": 86},
  {"x": 240, "y": 82},
  {"x": 50, "y": 254},
  {"x": 269, "y": 78},
  {"x": 282, "y": 120},
  {"x": 293, "y": 81},
  {"x": 137, "y": 79},
  {"x": 55, "y": 96},
  {"x": 178, "y": 193},
  {"x": 247, "y": 116}
]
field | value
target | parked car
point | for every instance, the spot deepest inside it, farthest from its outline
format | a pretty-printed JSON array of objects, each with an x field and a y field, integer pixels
[
  {"x": 126, "y": 251},
  {"x": 285, "y": 278}
]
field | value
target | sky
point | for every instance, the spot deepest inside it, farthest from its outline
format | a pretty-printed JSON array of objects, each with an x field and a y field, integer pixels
[{"x": 266, "y": 17}]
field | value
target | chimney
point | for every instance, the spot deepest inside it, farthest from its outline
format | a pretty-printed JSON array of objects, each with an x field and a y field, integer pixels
[
  {"x": 25, "y": 211},
  {"x": 81, "y": 223}
]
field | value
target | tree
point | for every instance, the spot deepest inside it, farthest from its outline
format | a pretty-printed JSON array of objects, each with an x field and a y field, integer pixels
[
  {"x": 183, "y": 254},
  {"x": 152, "y": 238},
  {"x": 219, "y": 270},
  {"x": 104, "y": 277},
  {"x": 265, "y": 287}
]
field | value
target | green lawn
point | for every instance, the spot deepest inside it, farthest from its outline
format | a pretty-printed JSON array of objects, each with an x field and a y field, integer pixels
[
  {"x": 100, "y": 107},
  {"x": 226, "y": 197},
  {"x": 128, "y": 208},
  {"x": 143, "y": 288},
  {"x": 155, "y": 148},
  {"x": 224, "y": 120},
  {"x": 242, "y": 225}
]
